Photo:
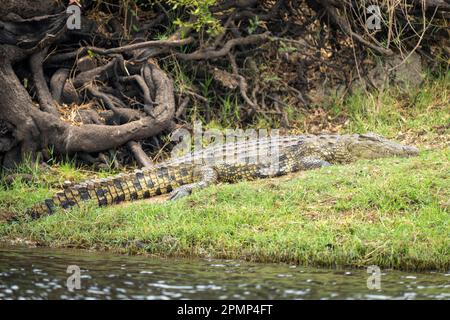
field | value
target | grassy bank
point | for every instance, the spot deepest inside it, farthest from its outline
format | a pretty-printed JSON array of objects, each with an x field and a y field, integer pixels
[{"x": 390, "y": 212}]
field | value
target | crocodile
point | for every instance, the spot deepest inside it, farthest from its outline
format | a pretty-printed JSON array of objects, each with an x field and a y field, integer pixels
[{"x": 229, "y": 163}]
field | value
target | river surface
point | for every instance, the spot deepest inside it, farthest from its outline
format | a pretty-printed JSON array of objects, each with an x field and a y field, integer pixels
[{"x": 39, "y": 273}]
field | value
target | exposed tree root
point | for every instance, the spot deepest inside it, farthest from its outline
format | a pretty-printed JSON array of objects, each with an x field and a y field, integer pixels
[{"x": 115, "y": 80}]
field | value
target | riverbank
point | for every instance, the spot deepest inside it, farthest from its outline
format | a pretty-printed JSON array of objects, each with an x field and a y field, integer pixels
[
  {"x": 389, "y": 212},
  {"x": 392, "y": 213}
]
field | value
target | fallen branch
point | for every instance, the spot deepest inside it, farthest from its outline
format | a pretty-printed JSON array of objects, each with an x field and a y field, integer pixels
[{"x": 205, "y": 54}]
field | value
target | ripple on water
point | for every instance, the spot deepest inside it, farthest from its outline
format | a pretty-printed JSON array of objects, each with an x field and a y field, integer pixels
[{"x": 42, "y": 274}]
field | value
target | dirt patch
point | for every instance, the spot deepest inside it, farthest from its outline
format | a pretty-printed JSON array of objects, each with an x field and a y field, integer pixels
[
  {"x": 23, "y": 242},
  {"x": 313, "y": 215},
  {"x": 424, "y": 140},
  {"x": 320, "y": 121},
  {"x": 6, "y": 216},
  {"x": 152, "y": 200}
]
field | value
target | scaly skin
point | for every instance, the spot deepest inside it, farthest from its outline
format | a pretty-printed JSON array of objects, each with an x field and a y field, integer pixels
[{"x": 232, "y": 162}]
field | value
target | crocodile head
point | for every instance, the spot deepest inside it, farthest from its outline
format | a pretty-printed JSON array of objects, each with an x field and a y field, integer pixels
[{"x": 372, "y": 146}]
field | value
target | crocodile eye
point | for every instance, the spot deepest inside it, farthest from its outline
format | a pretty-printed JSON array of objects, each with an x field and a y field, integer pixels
[{"x": 371, "y": 136}]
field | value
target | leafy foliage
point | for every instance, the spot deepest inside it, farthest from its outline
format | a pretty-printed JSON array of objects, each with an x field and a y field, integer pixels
[{"x": 203, "y": 18}]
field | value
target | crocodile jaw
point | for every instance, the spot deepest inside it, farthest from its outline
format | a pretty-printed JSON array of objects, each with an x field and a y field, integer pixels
[{"x": 372, "y": 146}]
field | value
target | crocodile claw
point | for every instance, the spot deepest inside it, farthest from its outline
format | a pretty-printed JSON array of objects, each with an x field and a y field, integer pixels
[{"x": 180, "y": 193}]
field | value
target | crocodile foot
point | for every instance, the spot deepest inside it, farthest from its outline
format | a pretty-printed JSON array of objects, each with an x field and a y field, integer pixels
[{"x": 180, "y": 192}]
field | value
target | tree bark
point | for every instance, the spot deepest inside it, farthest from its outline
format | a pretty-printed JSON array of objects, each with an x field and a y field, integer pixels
[{"x": 37, "y": 126}]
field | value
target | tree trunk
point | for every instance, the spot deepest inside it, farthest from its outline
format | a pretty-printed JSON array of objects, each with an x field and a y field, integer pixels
[{"x": 35, "y": 127}]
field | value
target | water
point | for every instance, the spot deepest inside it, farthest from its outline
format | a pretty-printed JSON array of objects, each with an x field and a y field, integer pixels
[{"x": 37, "y": 273}]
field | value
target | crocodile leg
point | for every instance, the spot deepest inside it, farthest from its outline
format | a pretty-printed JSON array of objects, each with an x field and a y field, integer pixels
[
  {"x": 290, "y": 160},
  {"x": 312, "y": 163},
  {"x": 208, "y": 176}
]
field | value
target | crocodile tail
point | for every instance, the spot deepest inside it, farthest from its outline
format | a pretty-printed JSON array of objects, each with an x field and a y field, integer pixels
[
  {"x": 103, "y": 192},
  {"x": 41, "y": 209},
  {"x": 64, "y": 199},
  {"x": 138, "y": 185}
]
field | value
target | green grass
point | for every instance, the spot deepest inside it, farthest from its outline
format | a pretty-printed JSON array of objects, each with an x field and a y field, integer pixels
[
  {"x": 396, "y": 110},
  {"x": 389, "y": 212},
  {"x": 416, "y": 110}
]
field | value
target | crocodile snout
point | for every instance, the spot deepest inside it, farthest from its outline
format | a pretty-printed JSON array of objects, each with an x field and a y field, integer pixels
[{"x": 411, "y": 151}]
